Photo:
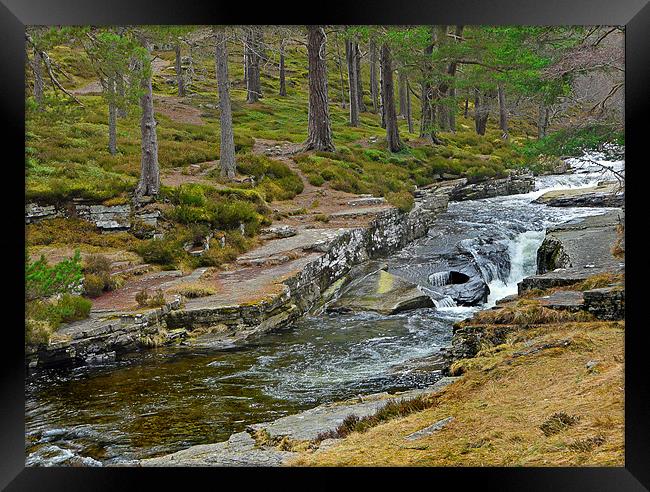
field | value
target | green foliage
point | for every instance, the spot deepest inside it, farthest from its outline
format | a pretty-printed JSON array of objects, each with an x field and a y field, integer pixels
[
  {"x": 274, "y": 179},
  {"x": 403, "y": 200},
  {"x": 574, "y": 142},
  {"x": 160, "y": 251},
  {"x": 97, "y": 275},
  {"x": 43, "y": 280}
]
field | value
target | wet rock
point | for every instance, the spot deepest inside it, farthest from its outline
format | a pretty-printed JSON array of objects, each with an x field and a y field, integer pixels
[
  {"x": 568, "y": 300},
  {"x": 607, "y": 194},
  {"x": 382, "y": 292},
  {"x": 512, "y": 185}
]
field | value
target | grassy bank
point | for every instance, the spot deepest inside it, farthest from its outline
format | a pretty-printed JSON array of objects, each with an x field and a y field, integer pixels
[{"x": 552, "y": 395}]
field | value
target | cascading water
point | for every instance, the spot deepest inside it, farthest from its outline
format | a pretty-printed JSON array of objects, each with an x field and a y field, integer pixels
[{"x": 159, "y": 401}]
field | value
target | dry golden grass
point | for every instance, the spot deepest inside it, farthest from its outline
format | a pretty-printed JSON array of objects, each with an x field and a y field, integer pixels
[{"x": 506, "y": 394}]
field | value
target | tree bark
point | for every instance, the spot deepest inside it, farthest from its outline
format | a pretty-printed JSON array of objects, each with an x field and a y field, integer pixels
[
  {"x": 374, "y": 88},
  {"x": 428, "y": 119},
  {"x": 319, "y": 127},
  {"x": 357, "y": 69},
  {"x": 466, "y": 110},
  {"x": 481, "y": 113},
  {"x": 227, "y": 146},
  {"x": 388, "y": 96},
  {"x": 283, "y": 83},
  {"x": 409, "y": 116},
  {"x": 149, "y": 183},
  {"x": 352, "y": 82},
  {"x": 253, "y": 46},
  {"x": 340, "y": 64},
  {"x": 382, "y": 106},
  {"x": 452, "y": 113},
  {"x": 37, "y": 68},
  {"x": 503, "y": 112},
  {"x": 112, "y": 118},
  {"x": 542, "y": 121},
  {"x": 179, "y": 70},
  {"x": 401, "y": 90},
  {"x": 119, "y": 88}
]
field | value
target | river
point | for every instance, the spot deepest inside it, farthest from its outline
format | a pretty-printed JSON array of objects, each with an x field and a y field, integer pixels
[{"x": 161, "y": 400}]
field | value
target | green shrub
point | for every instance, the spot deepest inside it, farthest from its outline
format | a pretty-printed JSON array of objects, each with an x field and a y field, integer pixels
[
  {"x": 315, "y": 179},
  {"x": 94, "y": 285},
  {"x": 43, "y": 317},
  {"x": 159, "y": 251},
  {"x": 42, "y": 280},
  {"x": 403, "y": 200}
]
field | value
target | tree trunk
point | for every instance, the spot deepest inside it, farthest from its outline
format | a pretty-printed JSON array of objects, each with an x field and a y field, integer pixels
[
  {"x": 452, "y": 113},
  {"x": 542, "y": 121},
  {"x": 388, "y": 96},
  {"x": 382, "y": 106},
  {"x": 253, "y": 46},
  {"x": 340, "y": 64},
  {"x": 357, "y": 69},
  {"x": 227, "y": 146},
  {"x": 503, "y": 113},
  {"x": 374, "y": 88},
  {"x": 319, "y": 128},
  {"x": 179, "y": 71},
  {"x": 37, "y": 68},
  {"x": 283, "y": 83},
  {"x": 466, "y": 110},
  {"x": 409, "y": 116},
  {"x": 119, "y": 88},
  {"x": 352, "y": 82},
  {"x": 401, "y": 82},
  {"x": 428, "y": 121},
  {"x": 481, "y": 113},
  {"x": 149, "y": 183},
  {"x": 112, "y": 128},
  {"x": 190, "y": 69}
]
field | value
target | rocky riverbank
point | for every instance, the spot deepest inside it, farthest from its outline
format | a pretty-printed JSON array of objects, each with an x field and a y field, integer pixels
[{"x": 275, "y": 284}]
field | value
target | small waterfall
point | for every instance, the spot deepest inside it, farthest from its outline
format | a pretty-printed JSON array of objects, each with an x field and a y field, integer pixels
[
  {"x": 445, "y": 302},
  {"x": 439, "y": 278}
]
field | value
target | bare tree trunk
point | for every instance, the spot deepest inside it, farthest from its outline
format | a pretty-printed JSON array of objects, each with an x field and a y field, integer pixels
[
  {"x": 428, "y": 121},
  {"x": 37, "y": 68},
  {"x": 352, "y": 82},
  {"x": 253, "y": 46},
  {"x": 190, "y": 69},
  {"x": 374, "y": 88},
  {"x": 503, "y": 112},
  {"x": 452, "y": 113},
  {"x": 357, "y": 69},
  {"x": 382, "y": 105},
  {"x": 466, "y": 110},
  {"x": 179, "y": 70},
  {"x": 149, "y": 183},
  {"x": 388, "y": 96},
  {"x": 443, "y": 116},
  {"x": 542, "y": 121},
  {"x": 481, "y": 113},
  {"x": 119, "y": 88},
  {"x": 401, "y": 90},
  {"x": 340, "y": 64},
  {"x": 409, "y": 116},
  {"x": 319, "y": 128},
  {"x": 112, "y": 120},
  {"x": 283, "y": 83},
  {"x": 227, "y": 146}
]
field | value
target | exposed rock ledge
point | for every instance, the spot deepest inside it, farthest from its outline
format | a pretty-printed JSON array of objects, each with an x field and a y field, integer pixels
[
  {"x": 241, "y": 449},
  {"x": 606, "y": 194},
  {"x": 104, "y": 335},
  {"x": 461, "y": 189}
]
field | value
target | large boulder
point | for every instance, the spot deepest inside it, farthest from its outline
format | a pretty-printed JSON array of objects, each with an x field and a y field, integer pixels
[{"x": 381, "y": 292}]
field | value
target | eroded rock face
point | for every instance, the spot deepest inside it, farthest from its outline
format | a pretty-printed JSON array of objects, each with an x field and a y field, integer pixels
[
  {"x": 512, "y": 185},
  {"x": 607, "y": 194}
]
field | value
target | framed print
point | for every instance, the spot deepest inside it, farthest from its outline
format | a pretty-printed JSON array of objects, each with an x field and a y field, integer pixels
[{"x": 387, "y": 240}]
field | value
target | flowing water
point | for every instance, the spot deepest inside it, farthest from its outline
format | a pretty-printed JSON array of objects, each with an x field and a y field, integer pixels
[{"x": 162, "y": 400}]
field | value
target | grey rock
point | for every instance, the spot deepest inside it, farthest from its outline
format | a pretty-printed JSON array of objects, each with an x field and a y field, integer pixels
[{"x": 427, "y": 431}]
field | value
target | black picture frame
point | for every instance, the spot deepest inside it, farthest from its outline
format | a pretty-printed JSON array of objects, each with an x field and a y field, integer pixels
[{"x": 15, "y": 14}]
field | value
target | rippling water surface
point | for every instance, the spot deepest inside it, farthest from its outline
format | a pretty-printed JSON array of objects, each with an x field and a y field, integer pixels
[{"x": 163, "y": 400}]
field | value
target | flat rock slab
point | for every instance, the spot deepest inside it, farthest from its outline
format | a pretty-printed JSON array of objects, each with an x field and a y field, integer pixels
[
  {"x": 427, "y": 431},
  {"x": 608, "y": 194},
  {"x": 570, "y": 300},
  {"x": 304, "y": 239},
  {"x": 238, "y": 450}
]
